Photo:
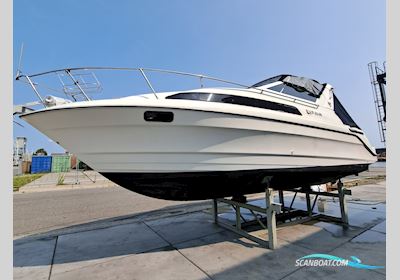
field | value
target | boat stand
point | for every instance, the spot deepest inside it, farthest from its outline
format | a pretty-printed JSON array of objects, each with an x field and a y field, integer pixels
[
  {"x": 270, "y": 211},
  {"x": 274, "y": 212},
  {"x": 309, "y": 213}
]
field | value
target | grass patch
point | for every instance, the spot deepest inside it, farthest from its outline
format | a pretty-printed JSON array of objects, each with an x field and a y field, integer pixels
[{"x": 22, "y": 180}]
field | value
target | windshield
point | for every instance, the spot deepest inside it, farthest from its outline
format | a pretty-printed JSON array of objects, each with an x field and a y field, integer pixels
[
  {"x": 293, "y": 91},
  {"x": 295, "y": 86}
]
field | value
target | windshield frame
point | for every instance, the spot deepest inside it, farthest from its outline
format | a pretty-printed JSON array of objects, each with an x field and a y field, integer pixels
[{"x": 304, "y": 88}]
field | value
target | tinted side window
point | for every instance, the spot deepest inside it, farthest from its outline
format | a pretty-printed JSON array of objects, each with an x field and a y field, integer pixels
[
  {"x": 191, "y": 96},
  {"x": 342, "y": 113},
  {"x": 237, "y": 100}
]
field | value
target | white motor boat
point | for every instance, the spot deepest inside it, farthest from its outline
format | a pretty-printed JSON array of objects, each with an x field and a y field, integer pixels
[{"x": 209, "y": 142}]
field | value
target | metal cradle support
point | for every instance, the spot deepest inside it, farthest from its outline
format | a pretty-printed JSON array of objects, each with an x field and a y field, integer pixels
[
  {"x": 270, "y": 211},
  {"x": 341, "y": 195},
  {"x": 274, "y": 211}
]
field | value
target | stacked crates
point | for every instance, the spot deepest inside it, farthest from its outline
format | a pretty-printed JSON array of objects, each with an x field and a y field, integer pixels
[
  {"x": 41, "y": 164},
  {"x": 61, "y": 163}
]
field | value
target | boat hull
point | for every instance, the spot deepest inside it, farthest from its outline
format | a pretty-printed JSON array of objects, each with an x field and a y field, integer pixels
[
  {"x": 217, "y": 184},
  {"x": 202, "y": 153}
]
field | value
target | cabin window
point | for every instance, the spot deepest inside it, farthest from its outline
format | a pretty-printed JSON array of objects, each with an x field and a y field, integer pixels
[
  {"x": 237, "y": 100},
  {"x": 342, "y": 113}
]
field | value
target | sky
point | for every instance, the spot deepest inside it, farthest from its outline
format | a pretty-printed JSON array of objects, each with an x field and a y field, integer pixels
[{"x": 243, "y": 41}]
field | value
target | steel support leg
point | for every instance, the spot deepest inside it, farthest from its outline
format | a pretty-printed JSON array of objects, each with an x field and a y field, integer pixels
[
  {"x": 308, "y": 200},
  {"x": 215, "y": 210},
  {"x": 343, "y": 203},
  {"x": 238, "y": 221},
  {"x": 271, "y": 219},
  {"x": 281, "y": 199}
]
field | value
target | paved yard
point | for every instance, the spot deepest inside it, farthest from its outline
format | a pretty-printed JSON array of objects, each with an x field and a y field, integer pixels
[
  {"x": 43, "y": 211},
  {"x": 186, "y": 244}
]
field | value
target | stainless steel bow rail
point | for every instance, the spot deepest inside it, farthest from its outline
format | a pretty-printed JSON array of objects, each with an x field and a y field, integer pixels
[
  {"x": 267, "y": 218},
  {"x": 76, "y": 82},
  {"x": 80, "y": 86}
]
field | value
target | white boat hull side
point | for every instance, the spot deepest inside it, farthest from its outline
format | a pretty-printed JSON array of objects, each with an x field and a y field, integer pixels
[
  {"x": 118, "y": 139},
  {"x": 202, "y": 154}
]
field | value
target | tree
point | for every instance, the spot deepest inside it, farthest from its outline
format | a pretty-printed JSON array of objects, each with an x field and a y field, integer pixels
[{"x": 40, "y": 152}]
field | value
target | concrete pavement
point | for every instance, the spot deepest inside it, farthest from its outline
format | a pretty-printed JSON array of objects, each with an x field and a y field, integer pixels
[
  {"x": 43, "y": 211},
  {"x": 176, "y": 245}
]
